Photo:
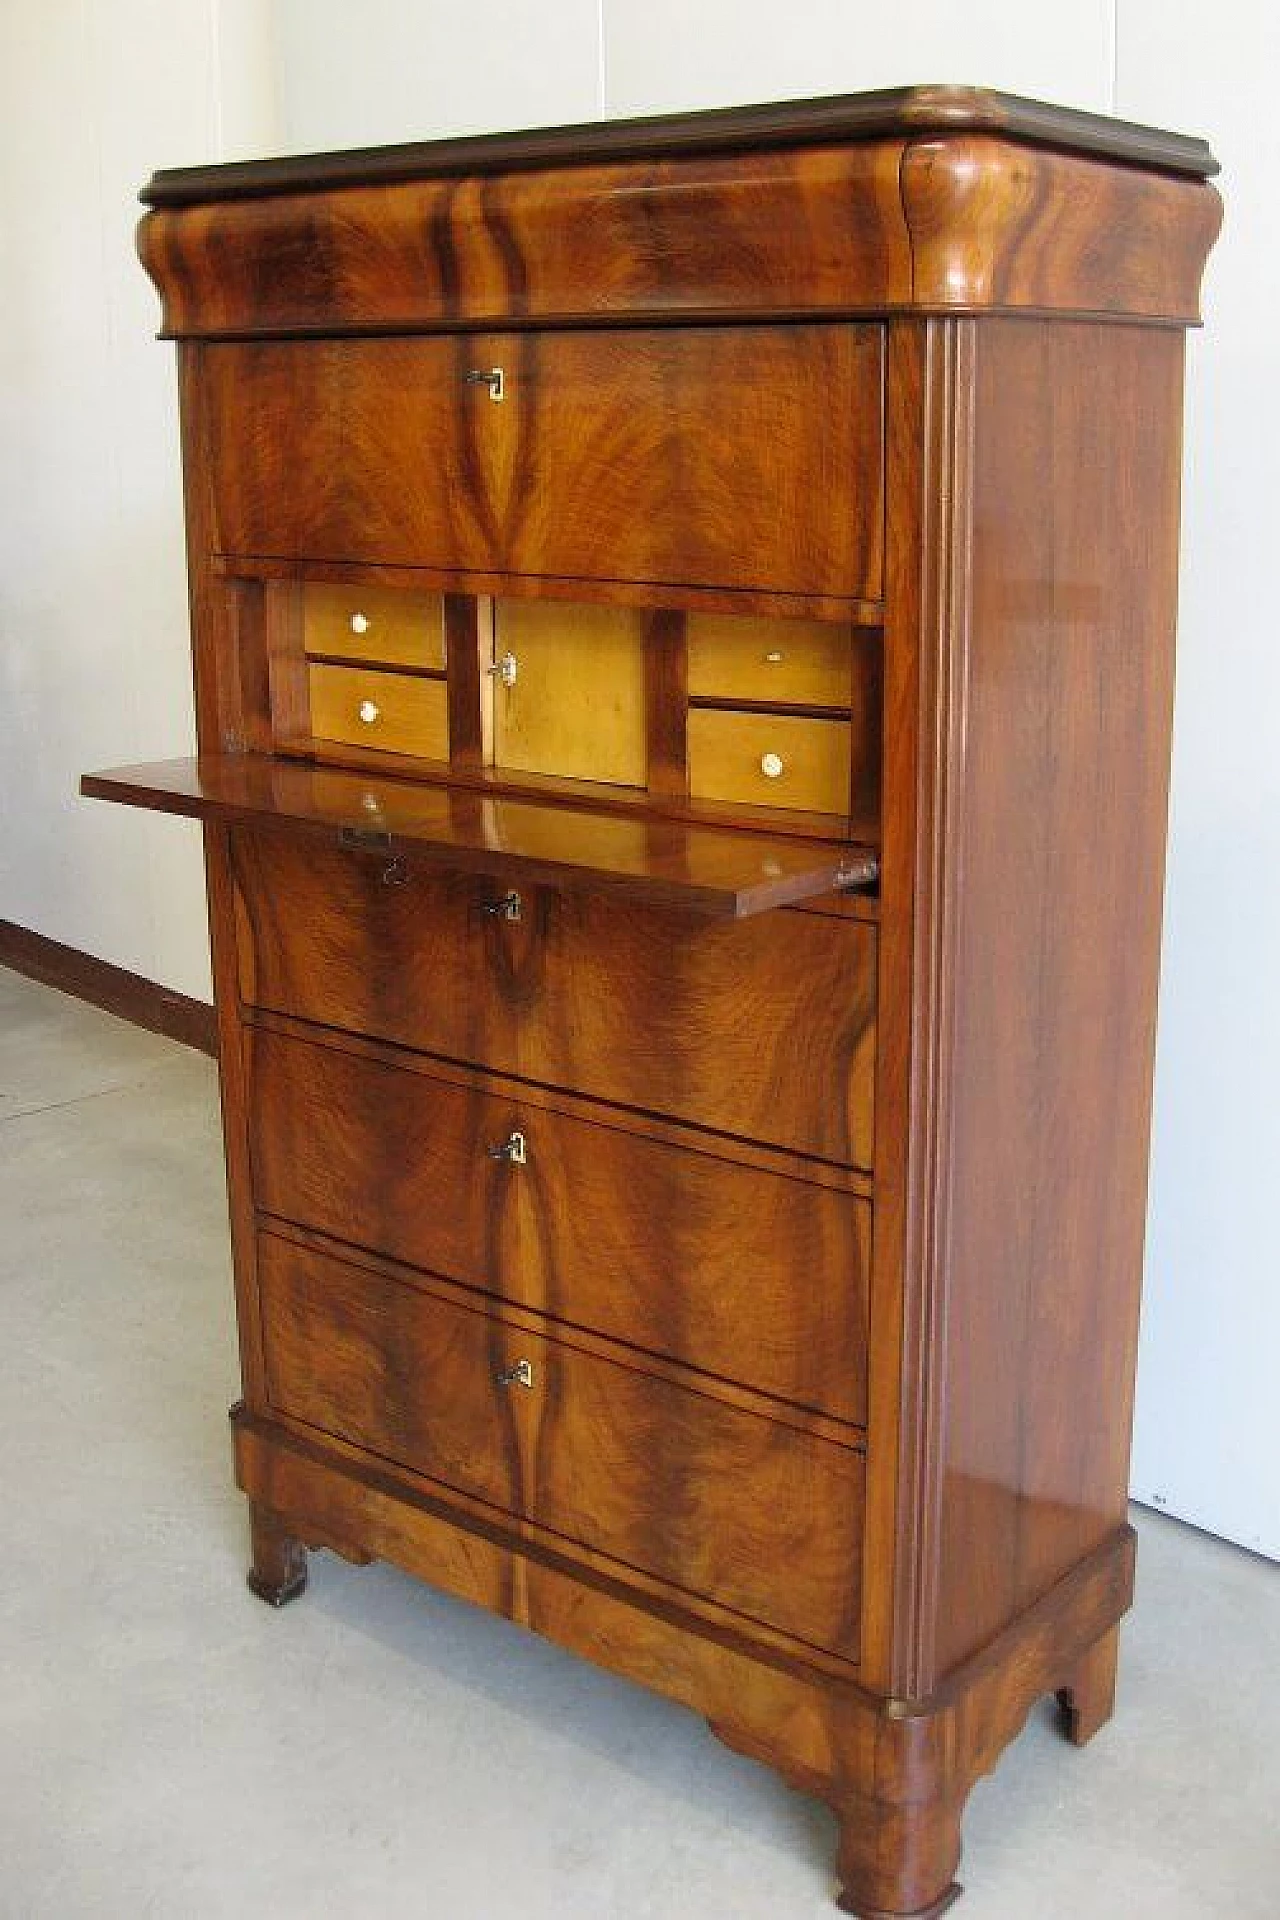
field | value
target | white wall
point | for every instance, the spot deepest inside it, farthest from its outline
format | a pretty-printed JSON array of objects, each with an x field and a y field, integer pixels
[
  {"x": 92, "y": 619},
  {"x": 94, "y": 655}
]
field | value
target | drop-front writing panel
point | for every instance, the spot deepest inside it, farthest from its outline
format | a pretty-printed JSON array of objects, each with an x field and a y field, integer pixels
[{"x": 736, "y": 457}]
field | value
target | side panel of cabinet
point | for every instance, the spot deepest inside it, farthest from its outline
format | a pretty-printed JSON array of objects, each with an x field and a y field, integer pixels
[{"x": 1052, "y": 833}]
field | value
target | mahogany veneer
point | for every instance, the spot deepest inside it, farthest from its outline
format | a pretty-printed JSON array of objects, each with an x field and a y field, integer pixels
[{"x": 683, "y": 622}]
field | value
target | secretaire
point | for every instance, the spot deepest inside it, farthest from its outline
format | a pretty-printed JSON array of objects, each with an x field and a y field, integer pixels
[{"x": 683, "y": 624}]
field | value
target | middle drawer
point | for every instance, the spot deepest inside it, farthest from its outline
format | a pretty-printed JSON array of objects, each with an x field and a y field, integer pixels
[{"x": 746, "y": 1274}]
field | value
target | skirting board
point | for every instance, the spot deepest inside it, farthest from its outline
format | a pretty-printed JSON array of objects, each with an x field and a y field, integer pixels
[{"x": 114, "y": 989}]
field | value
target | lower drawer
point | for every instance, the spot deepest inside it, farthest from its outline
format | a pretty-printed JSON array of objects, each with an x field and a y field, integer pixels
[
  {"x": 725, "y": 1504},
  {"x": 751, "y": 1275}
]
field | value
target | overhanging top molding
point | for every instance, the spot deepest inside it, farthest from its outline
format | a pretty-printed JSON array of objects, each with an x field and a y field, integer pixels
[
  {"x": 926, "y": 200},
  {"x": 894, "y": 113}
]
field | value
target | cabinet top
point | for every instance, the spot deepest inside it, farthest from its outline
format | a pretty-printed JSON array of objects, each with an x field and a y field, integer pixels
[{"x": 890, "y": 113}]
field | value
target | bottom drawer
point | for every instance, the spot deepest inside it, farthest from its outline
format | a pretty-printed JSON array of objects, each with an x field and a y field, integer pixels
[{"x": 761, "y": 1517}]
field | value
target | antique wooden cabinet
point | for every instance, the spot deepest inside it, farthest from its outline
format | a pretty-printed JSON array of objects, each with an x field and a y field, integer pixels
[{"x": 683, "y": 621}]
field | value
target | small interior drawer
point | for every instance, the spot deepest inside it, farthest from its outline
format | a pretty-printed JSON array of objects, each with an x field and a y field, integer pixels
[
  {"x": 382, "y": 625},
  {"x": 770, "y": 760},
  {"x": 390, "y": 712},
  {"x": 783, "y": 662}
]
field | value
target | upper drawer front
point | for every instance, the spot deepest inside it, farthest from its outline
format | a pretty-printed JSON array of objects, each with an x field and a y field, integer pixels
[
  {"x": 761, "y": 1028},
  {"x": 756, "y": 1516},
  {"x": 741, "y": 1273},
  {"x": 744, "y": 457}
]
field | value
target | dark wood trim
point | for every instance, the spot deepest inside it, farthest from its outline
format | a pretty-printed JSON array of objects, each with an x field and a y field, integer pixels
[
  {"x": 889, "y": 113},
  {"x": 128, "y": 995},
  {"x": 666, "y": 683}
]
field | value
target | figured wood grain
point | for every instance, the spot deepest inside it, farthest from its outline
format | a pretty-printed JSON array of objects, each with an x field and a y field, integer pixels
[
  {"x": 733, "y": 1270},
  {"x": 596, "y": 1113},
  {"x": 995, "y": 226},
  {"x": 711, "y": 1024},
  {"x": 896, "y": 1772},
  {"x": 786, "y": 233},
  {"x": 698, "y": 455},
  {"x": 717, "y": 1501},
  {"x": 752, "y": 365},
  {"x": 703, "y": 870}
]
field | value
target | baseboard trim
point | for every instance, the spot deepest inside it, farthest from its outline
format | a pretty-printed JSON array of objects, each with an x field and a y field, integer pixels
[{"x": 128, "y": 995}]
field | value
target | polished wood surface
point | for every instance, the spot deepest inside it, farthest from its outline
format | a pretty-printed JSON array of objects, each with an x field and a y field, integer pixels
[
  {"x": 691, "y": 455},
  {"x": 999, "y": 227},
  {"x": 747, "y": 1275},
  {"x": 844, "y": 209},
  {"x": 798, "y": 1154},
  {"x": 787, "y": 234},
  {"x": 583, "y": 991},
  {"x": 702, "y": 869},
  {"x": 577, "y": 705},
  {"x": 385, "y": 712},
  {"x": 761, "y": 1517},
  {"x": 916, "y": 1765},
  {"x": 754, "y": 129},
  {"x": 1060, "y": 803}
]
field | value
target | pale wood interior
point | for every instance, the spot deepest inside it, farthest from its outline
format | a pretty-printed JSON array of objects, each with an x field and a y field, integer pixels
[
  {"x": 385, "y": 625},
  {"x": 731, "y": 754},
  {"x": 787, "y": 662},
  {"x": 388, "y": 712},
  {"x": 577, "y": 706},
  {"x": 762, "y": 711}
]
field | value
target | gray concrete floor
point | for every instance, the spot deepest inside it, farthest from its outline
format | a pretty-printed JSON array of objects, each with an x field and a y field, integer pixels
[{"x": 170, "y": 1747}]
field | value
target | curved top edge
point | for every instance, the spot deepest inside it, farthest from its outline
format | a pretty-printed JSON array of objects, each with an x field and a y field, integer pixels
[{"x": 894, "y": 112}]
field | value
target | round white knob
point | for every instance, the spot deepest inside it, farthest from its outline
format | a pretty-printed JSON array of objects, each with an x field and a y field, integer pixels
[
  {"x": 369, "y": 712},
  {"x": 359, "y": 623},
  {"x": 774, "y": 659},
  {"x": 771, "y": 766}
]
